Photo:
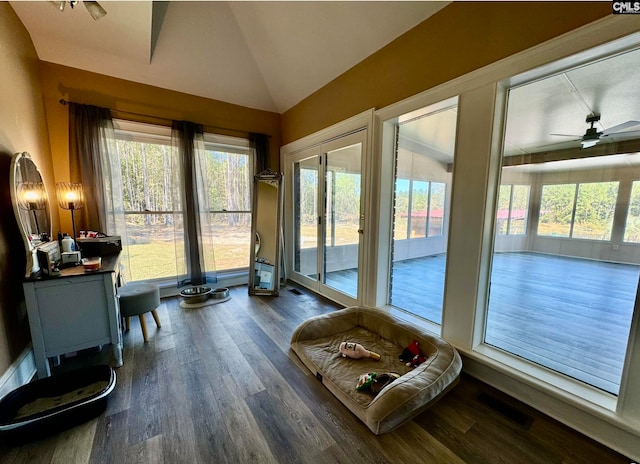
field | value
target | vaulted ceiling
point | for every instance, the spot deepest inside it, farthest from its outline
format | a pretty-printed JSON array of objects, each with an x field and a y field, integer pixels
[
  {"x": 271, "y": 55},
  {"x": 264, "y": 55}
]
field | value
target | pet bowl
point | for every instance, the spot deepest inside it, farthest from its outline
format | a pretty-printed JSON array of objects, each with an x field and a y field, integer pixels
[
  {"x": 196, "y": 294},
  {"x": 220, "y": 293}
]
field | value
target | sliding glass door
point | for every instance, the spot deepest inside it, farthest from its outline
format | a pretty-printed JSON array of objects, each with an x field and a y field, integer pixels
[{"x": 327, "y": 186}]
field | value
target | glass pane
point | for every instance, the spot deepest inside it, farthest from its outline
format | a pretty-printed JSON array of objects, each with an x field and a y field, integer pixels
[
  {"x": 502, "y": 215},
  {"x": 632, "y": 226},
  {"x": 151, "y": 250},
  {"x": 342, "y": 219},
  {"x": 556, "y": 209},
  {"x": 305, "y": 196},
  {"x": 436, "y": 209},
  {"x": 146, "y": 177},
  {"x": 594, "y": 210},
  {"x": 228, "y": 181},
  {"x": 419, "y": 201},
  {"x": 564, "y": 298},
  {"x": 229, "y": 234},
  {"x": 519, "y": 210},
  {"x": 401, "y": 212},
  {"x": 424, "y": 156}
]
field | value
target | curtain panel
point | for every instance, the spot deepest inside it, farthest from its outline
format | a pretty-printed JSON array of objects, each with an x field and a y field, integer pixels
[
  {"x": 88, "y": 127},
  {"x": 94, "y": 161},
  {"x": 259, "y": 143},
  {"x": 193, "y": 223}
]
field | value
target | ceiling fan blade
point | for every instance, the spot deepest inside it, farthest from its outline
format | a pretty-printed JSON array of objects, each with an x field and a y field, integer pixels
[
  {"x": 58, "y": 5},
  {"x": 555, "y": 144},
  {"x": 632, "y": 134},
  {"x": 568, "y": 135},
  {"x": 621, "y": 127},
  {"x": 94, "y": 9}
]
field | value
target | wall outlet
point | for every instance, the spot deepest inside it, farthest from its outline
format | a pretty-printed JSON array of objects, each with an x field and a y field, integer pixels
[{"x": 615, "y": 247}]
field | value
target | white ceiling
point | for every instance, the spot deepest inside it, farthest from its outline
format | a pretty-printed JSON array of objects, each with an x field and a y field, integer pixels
[
  {"x": 262, "y": 54},
  {"x": 557, "y": 101}
]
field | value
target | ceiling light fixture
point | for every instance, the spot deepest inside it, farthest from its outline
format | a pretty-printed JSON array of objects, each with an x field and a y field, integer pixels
[
  {"x": 589, "y": 143},
  {"x": 95, "y": 10}
]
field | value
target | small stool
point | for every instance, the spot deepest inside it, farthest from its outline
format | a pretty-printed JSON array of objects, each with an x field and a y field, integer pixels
[{"x": 136, "y": 299}]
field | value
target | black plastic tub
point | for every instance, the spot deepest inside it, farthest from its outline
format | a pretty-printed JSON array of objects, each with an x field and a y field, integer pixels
[{"x": 52, "y": 404}]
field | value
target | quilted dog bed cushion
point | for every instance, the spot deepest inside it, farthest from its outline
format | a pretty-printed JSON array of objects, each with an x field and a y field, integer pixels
[{"x": 316, "y": 342}]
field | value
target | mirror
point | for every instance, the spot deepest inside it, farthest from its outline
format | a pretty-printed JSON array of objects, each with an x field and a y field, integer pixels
[
  {"x": 30, "y": 204},
  {"x": 264, "y": 269}
]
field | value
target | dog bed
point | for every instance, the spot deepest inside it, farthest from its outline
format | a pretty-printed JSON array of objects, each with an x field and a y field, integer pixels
[
  {"x": 316, "y": 342},
  {"x": 52, "y": 404}
]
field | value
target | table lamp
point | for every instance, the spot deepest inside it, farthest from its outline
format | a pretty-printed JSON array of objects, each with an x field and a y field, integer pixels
[
  {"x": 32, "y": 196},
  {"x": 70, "y": 197}
]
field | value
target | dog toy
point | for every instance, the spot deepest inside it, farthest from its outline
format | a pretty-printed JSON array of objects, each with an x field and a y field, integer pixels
[
  {"x": 365, "y": 381},
  {"x": 356, "y": 351},
  {"x": 412, "y": 355},
  {"x": 374, "y": 383}
]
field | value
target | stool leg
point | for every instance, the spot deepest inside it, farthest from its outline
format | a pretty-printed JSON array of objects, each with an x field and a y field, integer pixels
[
  {"x": 156, "y": 318},
  {"x": 143, "y": 325},
  {"x": 127, "y": 323}
]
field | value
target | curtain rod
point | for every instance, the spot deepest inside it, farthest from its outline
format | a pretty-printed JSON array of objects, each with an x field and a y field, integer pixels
[{"x": 64, "y": 102}]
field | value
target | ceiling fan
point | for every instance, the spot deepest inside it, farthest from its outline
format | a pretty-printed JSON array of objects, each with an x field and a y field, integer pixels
[
  {"x": 592, "y": 136},
  {"x": 95, "y": 10}
]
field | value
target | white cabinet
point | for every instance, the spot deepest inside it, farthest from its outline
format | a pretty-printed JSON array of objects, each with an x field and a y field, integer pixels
[{"x": 74, "y": 311}]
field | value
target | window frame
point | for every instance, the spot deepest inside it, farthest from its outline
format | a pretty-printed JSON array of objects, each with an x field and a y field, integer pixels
[
  {"x": 134, "y": 131},
  {"x": 574, "y": 210}
]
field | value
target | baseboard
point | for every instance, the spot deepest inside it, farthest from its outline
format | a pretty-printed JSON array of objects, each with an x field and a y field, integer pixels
[{"x": 21, "y": 371}]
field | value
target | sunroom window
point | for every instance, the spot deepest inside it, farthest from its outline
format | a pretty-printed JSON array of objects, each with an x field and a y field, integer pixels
[
  {"x": 145, "y": 154},
  {"x": 562, "y": 293},
  {"x": 423, "y": 166}
]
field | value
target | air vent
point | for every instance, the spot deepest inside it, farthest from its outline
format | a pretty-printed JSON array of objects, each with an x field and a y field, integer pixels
[{"x": 522, "y": 419}]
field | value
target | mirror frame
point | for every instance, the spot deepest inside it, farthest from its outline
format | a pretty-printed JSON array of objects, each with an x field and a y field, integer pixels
[
  {"x": 15, "y": 176},
  {"x": 258, "y": 242}
]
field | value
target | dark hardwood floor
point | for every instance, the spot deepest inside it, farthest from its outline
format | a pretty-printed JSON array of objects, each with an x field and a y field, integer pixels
[
  {"x": 568, "y": 314},
  {"x": 219, "y": 385}
]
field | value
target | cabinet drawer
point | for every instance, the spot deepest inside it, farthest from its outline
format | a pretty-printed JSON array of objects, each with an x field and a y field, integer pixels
[{"x": 73, "y": 316}]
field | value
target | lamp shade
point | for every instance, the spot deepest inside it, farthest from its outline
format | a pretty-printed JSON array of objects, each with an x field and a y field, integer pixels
[
  {"x": 31, "y": 195},
  {"x": 69, "y": 195}
]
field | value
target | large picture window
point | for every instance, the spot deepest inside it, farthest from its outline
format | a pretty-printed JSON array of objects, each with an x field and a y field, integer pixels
[
  {"x": 513, "y": 204},
  {"x": 563, "y": 297},
  {"x": 632, "y": 226},
  {"x": 145, "y": 156},
  {"x": 578, "y": 210},
  {"x": 228, "y": 182}
]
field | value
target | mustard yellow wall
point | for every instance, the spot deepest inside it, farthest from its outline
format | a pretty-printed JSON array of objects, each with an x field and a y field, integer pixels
[
  {"x": 61, "y": 82},
  {"x": 22, "y": 128},
  {"x": 460, "y": 38}
]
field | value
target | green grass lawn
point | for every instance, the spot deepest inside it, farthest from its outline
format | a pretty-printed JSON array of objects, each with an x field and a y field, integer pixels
[{"x": 157, "y": 259}]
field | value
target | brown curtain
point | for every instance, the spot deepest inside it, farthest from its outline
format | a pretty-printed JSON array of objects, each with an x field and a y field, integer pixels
[
  {"x": 88, "y": 148},
  {"x": 190, "y": 196},
  {"x": 94, "y": 161},
  {"x": 260, "y": 144}
]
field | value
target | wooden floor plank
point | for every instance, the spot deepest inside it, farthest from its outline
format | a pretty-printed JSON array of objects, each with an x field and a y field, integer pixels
[
  {"x": 146, "y": 451},
  {"x": 110, "y": 440},
  {"x": 248, "y": 443},
  {"x": 75, "y": 445},
  {"x": 219, "y": 384}
]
